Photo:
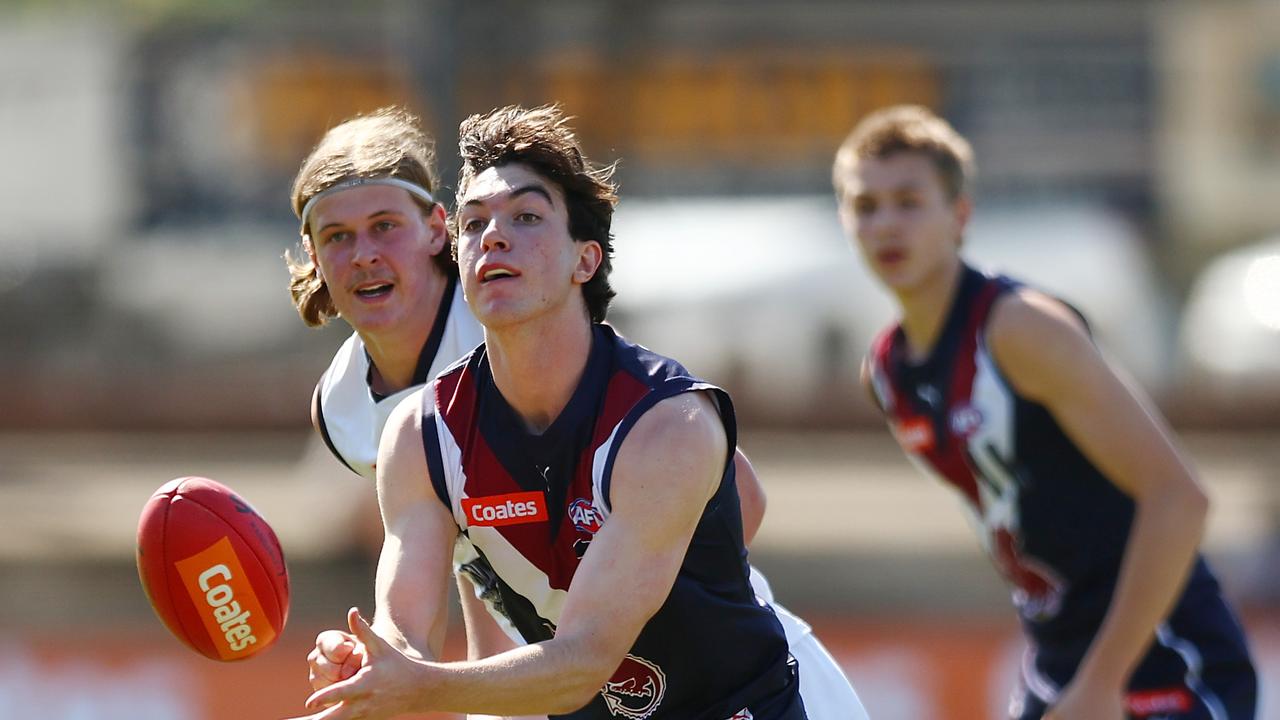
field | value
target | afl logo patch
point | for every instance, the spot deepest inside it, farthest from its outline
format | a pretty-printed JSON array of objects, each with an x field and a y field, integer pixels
[
  {"x": 636, "y": 689},
  {"x": 584, "y": 516},
  {"x": 965, "y": 420}
]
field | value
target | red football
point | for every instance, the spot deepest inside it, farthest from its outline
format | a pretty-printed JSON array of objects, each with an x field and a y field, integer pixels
[{"x": 212, "y": 569}]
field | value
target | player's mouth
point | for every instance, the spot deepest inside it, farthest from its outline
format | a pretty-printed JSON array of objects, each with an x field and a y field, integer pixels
[
  {"x": 494, "y": 273},
  {"x": 374, "y": 290},
  {"x": 890, "y": 257}
]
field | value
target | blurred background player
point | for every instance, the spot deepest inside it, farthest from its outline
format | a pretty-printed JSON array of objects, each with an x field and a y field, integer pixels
[
  {"x": 375, "y": 254},
  {"x": 1077, "y": 489}
]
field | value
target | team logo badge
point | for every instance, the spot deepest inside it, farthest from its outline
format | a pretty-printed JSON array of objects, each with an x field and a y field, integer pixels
[
  {"x": 1037, "y": 589},
  {"x": 965, "y": 420},
  {"x": 743, "y": 714},
  {"x": 636, "y": 689},
  {"x": 584, "y": 516}
]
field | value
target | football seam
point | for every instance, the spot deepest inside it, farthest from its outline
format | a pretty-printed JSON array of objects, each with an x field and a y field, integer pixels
[
  {"x": 275, "y": 600},
  {"x": 169, "y": 568}
]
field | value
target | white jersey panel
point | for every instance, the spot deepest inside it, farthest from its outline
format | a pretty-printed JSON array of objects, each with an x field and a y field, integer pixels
[{"x": 352, "y": 417}]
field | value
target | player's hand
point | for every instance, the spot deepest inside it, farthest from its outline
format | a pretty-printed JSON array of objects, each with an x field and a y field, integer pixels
[
  {"x": 385, "y": 684},
  {"x": 336, "y": 657},
  {"x": 1080, "y": 701}
]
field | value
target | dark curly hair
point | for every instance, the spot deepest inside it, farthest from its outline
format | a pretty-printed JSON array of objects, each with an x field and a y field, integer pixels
[{"x": 542, "y": 139}]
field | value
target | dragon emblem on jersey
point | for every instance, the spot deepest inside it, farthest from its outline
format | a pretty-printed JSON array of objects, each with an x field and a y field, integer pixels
[
  {"x": 636, "y": 689},
  {"x": 1037, "y": 589},
  {"x": 584, "y": 516}
]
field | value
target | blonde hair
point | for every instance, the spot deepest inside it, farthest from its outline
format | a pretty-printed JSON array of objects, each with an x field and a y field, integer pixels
[
  {"x": 907, "y": 128},
  {"x": 389, "y": 142}
]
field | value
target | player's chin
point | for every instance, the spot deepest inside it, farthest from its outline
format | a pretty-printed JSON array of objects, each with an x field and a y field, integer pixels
[
  {"x": 499, "y": 314},
  {"x": 372, "y": 319}
]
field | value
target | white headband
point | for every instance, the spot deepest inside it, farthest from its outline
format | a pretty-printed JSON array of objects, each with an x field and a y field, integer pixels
[{"x": 412, "y": 188}]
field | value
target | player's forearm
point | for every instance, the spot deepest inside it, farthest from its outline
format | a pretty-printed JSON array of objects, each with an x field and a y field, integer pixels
[
  {"x": 390, "y": 632},
  {"x": 1161, "y": 549},
  {"x": 553, "y": 677}
]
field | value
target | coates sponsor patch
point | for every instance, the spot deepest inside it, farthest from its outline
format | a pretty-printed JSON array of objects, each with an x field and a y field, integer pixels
[
  {"x": 914, "y": 434},
  {"x": 636, "y": 689},
  {"x": 509, "y": 509},
  {"x": 584, "y": 516},
  {"x": 1142, "y": 703}
]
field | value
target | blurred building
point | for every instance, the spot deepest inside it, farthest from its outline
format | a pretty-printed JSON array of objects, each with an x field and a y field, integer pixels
[{"x": 155, "y": 142}]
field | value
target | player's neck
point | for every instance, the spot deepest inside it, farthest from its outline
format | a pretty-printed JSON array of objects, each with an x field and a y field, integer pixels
[
  {"x": 395, "y": 352},
  {"x": 537, "y": 365},
  {"x": 925, "y": 309}
]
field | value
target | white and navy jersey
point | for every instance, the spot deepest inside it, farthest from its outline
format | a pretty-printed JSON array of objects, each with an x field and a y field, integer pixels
[
  {"x": 1054, "y": 525},
  {"x": 350, "y": 416},
  {"x": 531, "y": 504}
]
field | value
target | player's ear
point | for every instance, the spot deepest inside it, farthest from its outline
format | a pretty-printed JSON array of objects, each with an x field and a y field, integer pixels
[
  {"x": 437, "y": 228},
  {"x": 962, "y": 206},
  {"x": 310, "y": 250},
  {"x": 590, "y": 255}
]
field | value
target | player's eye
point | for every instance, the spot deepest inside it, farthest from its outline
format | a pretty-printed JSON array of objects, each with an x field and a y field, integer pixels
[
  {"x": 527, "y": 218},
  {"x": 337, "y": 236},
  {"x": 383, "y": 225},
  {"x": 864, "y": 206},
  {"x": 471, "y": 225}
]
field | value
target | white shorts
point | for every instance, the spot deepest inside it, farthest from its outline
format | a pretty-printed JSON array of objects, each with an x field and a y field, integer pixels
[{"x": 826, "y": 691}]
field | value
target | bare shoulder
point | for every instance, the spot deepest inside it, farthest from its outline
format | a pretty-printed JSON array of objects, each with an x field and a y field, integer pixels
[
  {"x": 402, "y": 459},
  {"x": 680, "y": 441},
  {"x": 404, "y": 422},
  {"x": 864, "y": 378},
  {"x": 1037, "y": 340}
]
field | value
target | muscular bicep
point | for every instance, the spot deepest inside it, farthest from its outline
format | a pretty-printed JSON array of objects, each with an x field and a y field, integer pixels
[
  {"x": 666, "y": 471},
  {"x": 751, "y": 496},
  {"x": 414, "y": 567},
  {"x": 1044, "y": 350},
  {"x": 864, "y": 379}
]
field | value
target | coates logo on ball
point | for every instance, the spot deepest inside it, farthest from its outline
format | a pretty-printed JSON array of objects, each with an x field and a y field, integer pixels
[
  {"x": 212, "y": 569},
  {"x": 231, "y": 612},
  {"x": 635, "y": 691}
]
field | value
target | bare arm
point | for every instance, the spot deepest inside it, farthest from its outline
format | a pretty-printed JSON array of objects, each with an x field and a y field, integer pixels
[
  {"x": 751, "y": 496},
  {"x": 484, "y": 637},
  {"x": 667, "y": 469},
  {"x": 412, "y": 578},
  {"x": 1045, "y": 352},
  {"x": 412, "y": 582}
]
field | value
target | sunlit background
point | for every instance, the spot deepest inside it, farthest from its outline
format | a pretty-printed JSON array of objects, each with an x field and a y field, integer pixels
[{"x": 1129, "y": 161}]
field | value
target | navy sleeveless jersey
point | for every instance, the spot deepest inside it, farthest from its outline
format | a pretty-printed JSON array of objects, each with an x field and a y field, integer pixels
[
  {"x": 1053, "y": 524},
  {"x": 530, "y": 505}
]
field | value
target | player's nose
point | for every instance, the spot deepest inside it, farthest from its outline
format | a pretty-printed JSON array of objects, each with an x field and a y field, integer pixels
[
  {"x": 365, "y": 250},
  {"x": 493, "y": 237}
]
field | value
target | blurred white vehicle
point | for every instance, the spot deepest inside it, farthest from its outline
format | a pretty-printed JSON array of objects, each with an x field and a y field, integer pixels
[
  {"x": 1230, "y": 335},
  {"x": 765, "y": 295}
]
